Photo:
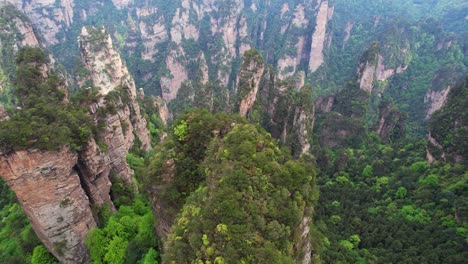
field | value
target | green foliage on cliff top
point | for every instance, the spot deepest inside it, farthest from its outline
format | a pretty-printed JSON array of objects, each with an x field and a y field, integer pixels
[
  {"x": 250, "y": 207},
  {"x": 45, "y": 120}
]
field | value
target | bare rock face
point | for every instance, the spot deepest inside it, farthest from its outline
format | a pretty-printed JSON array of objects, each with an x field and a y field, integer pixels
[
  {"x": 372, "y": 68},
  {"x": 368, "y": 67},
  {"x": 121, "y": 4},
  {"x": 151, "y": 33},
  {"x": 49, "y": 190},
  {"x": 249, "y": 80},
  {"x": 108, "y": 71},
  {"x": 325, "y": 12},
  {"x": 50, "y": 16},
  {"x": 287, "y": 64},
  {"x": 164, "y": 113},
  {"x": 303, "y": 122},
  {"x": 182, "y": 28},
  {"x": 347, "y": 30},
  {"x": 95, "y": 167},
  {"x": 19, "y": 31},
  {"x": 324, "y": 104},
  {"x": 435, "y": 100},
  {"x": 204, "y": 77},
  {"x": 303, "y": 245},
  {"x": 171, "y": 84},
  {"x": 102, "y": 60},
  {"x": 367, "y": 76}
]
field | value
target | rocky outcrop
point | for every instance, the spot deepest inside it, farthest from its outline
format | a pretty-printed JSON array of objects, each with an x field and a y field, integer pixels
[
  {"x": 441, "y": 84},
  {"x": 177, "y": 74},
  {"x": 347, "y": 31},
  {"x": 303, "y": 122},
  {"x": 50, "y": 16},
  {"x": 121, "y": 4},
  {"x": 372, "y": 68},
  {"x": 435, "y": 100},
  {"x": 59, "y": 190},
  {"x": 324, "y": 104},
  {"x": 152, "y": 33},
  {"x": 18, "y": 31},
  {"x": 106, "y": 68},
  {"x": 204, "y": 77},
  {"x": 391, "y": 122},
  {"x": 316, "y": 59},
  {"x": 448, "y": 127},
  {"x": 303, "y": 245},
  {"x": 48, "y": 187},
  {"x": 107, "y": 71},
  {"x": 249, "y": 81},
  {"x": 182, "y": 28},
  {"x": 288, "y": 64},
  {"x": 95, "y": 168},
  {"x": 164, "y": 113}
]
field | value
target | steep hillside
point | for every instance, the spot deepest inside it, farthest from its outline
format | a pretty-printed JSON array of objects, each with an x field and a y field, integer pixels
[{"x": 203, "y": 130}]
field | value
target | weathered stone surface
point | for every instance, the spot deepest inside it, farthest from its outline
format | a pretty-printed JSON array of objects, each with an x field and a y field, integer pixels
[
  {"x": 249, "y": 79},
  {"x": 95, "y": 167},
  {"x": 50, "y": 16},
  {"x": 303, "y": 122},
  {"x": 171, "y": 84},
  {"x": 49, "y": 190},
  {"x": 435, "y": 100},
  {"x": 318, "y": 38},
  {"x": 108, "y": 71},
  {"x": 366, "y": 79}
]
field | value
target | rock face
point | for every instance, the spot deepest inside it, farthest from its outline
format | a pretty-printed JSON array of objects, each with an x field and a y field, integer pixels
[
  {"x": 287, "y": 65},
  {"x": 108, "y": 72},
  {"x": 435, "y": 100},
  {"x": 59, "y": 189},
  {"x": 448, "y": 127},
  {"x": 249, "y": 81},
  {"x": 318, "y": 38},
  {"x": 391, "y": 122},
  {"x": 50, "y": 16},
  {"x": 49, "y": 190},
  {"x": 303, "y": 122},
  {"x": 106, "y": 68},
  {"x": 372, "y": 68},
  {"x": 171, "y": 84},
  {"x": 18, "y": 30},
  {"x": 304, "y": 246}
]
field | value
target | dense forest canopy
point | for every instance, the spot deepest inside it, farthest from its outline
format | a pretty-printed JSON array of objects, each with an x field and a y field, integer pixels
[{"x": 274, "y": 131}]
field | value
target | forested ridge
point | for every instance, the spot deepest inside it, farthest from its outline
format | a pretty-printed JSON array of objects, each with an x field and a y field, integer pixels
[{"x": 250, "y": 155}]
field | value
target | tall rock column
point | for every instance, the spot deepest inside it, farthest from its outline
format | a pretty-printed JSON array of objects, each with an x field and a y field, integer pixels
[
  {"x": 49, "y": 190},
  {"x": 325, "y": 12},
  {"x": 110, "y": 75},
  {"x": 249, "y": 79}
]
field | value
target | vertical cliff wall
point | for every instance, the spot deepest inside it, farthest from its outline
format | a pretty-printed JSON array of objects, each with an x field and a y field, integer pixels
[
  {"x": 50, "y": 16},
  {"x": 249, "y": 80},
  {"x": 48, "y": 188},
  {"x": 59, "y": 190},
  {"x": 325, "y": 12}
]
